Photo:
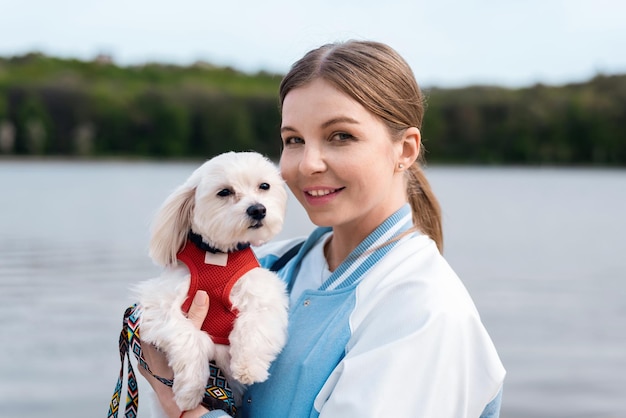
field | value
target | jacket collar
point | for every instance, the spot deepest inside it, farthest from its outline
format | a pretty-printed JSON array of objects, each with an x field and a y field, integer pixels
[{"x": 371, "y": 250}]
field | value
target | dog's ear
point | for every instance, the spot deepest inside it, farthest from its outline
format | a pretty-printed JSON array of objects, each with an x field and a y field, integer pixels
[{"x": 171, "y": 225}]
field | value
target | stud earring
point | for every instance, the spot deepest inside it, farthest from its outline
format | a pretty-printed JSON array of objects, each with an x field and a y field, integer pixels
[{"x": 400, "y": 166}]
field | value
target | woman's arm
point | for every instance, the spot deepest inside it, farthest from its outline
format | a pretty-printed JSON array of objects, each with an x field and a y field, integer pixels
[
  {"x": 443, "y": 369},
  {"x": 158, "y": 364},
  {"x": 418, "y": 348}
]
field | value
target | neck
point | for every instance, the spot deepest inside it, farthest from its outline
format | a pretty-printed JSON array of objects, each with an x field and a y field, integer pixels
[
  {"x": 336, "y": 250},
  {"x": 347, "y": 237}
]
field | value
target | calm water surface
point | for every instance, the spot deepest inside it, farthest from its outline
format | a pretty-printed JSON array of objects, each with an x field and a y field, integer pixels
[{"x": 542, "y": 251}]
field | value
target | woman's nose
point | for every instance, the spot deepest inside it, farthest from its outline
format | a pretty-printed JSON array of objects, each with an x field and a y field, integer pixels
[{"x": 312, "y": 160}]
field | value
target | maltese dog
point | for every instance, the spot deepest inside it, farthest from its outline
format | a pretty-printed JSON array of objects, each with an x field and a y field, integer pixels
[{"x": 202, "y": 236}]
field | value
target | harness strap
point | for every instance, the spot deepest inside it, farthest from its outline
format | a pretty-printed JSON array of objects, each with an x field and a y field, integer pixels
[
  {"x": 217, "y": 393},
  {"x": 284, "y": 259}
]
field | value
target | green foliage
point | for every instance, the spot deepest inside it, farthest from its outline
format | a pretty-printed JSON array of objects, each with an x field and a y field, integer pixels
[
  {"x": 34, "y": 127},
  {"x": 150, "y": 110},
  {"x": 572, "y": 124},
  {"x": 70, "y": 107}
]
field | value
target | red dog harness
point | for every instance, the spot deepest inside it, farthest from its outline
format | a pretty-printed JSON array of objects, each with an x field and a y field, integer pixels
[{"x": 217, "y": 281}]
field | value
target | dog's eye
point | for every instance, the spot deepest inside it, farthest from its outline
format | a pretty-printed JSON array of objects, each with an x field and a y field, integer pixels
[
  {"x": 224, "y": 192},
  {"x": 264, "y": 186}
]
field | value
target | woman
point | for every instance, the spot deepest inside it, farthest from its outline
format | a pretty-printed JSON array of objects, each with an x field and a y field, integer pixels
[{"x": 379, "y": 323}]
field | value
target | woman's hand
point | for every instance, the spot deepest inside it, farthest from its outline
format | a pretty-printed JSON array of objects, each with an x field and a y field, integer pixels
[{"x": 158, "y": 363}]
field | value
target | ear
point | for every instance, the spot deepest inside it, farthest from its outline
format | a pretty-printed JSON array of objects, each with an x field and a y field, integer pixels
[
  {"x": 409, "y": 148},
  {"x": 171, "y": 225}
]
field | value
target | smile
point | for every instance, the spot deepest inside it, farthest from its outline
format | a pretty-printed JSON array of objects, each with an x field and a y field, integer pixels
[
  {"x": 322, "y": 196},
  {"x": 321, "y": 192}
]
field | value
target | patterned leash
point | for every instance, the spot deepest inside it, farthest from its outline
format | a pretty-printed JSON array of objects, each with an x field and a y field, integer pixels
[{"x": 217, "y": 395}]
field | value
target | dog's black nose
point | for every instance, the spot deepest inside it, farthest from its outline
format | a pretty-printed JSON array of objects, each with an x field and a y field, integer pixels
[{"x": 256, "y": 212}]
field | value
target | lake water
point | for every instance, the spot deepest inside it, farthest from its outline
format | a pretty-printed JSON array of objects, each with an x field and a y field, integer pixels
[{"x": 542, "y": 251}]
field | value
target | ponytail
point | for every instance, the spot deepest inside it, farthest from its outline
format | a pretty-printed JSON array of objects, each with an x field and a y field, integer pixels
[{"x": 426, "y": 209}]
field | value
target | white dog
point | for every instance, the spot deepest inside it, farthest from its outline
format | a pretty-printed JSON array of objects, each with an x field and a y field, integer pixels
[{"x": 231, "y": 202}]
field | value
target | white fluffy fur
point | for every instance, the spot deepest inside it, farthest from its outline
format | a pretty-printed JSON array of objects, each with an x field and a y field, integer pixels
[{"x": 259, "y": 331}]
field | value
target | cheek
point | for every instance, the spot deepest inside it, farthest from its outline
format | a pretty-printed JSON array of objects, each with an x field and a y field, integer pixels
[
  {"x": 289, "y": 172},
  {"x": 287, "y": 166}
]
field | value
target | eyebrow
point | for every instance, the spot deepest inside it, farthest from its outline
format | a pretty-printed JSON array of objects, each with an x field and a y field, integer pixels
[
  {"x": 333, "y": 121},
  {"x": 341, "y": 119}
]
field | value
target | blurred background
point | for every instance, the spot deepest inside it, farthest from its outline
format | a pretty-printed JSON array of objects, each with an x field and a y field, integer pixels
[{"x": 106, "y": 107}]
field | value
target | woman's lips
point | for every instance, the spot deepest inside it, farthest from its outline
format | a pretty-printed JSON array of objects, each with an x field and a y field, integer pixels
[{"x": 321, "y": 195}]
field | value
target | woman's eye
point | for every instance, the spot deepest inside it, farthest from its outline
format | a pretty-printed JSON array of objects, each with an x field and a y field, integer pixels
[
  {"x": 341, "y": 137},
  {"x": 224, "y": 192},
  {"x": 264, "y": 186},
  {"x": 293, "y": 140}
]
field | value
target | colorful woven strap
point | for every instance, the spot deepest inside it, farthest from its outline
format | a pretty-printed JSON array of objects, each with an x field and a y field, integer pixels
[{"x": 218, "y": 394}]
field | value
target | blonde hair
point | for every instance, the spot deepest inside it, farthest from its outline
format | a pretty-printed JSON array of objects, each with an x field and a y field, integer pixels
[{"x": 377, "y": 77}]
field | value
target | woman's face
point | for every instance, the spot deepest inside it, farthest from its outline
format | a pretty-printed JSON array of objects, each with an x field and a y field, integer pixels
[{"x": 339, "y": 159}]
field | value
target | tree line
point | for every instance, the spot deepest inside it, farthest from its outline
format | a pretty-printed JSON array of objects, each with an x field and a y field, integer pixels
[{"x": 65, "y": 107}]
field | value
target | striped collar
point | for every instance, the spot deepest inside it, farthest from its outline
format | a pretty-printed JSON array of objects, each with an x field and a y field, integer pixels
[{"x": 371, "y": 250}]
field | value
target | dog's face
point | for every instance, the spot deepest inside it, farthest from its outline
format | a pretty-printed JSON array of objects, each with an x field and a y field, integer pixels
[{"x": 239, "y": 198}]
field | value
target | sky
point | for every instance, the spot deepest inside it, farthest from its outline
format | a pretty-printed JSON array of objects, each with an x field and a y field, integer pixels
[{"x": 511, "y": 43}]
